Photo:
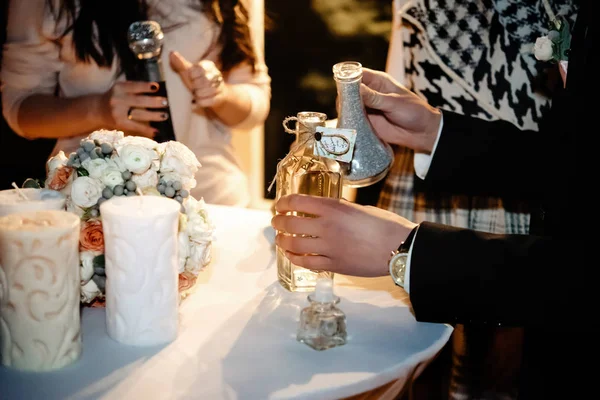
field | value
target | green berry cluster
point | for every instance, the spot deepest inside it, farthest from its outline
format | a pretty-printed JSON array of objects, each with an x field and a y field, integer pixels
[{"x": 89, "y": 149}]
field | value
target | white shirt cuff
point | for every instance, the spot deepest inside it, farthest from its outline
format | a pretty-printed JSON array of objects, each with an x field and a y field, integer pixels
[
  {"x": 407, "y": 269},
  {"x": 422, "y": 161}
]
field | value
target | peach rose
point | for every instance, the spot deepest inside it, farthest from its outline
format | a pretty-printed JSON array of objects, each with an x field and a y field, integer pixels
[
  {"x": 62, "y": 177},
  {"x": 91, "y": 237},
  {"x": 186, "y": 281}
]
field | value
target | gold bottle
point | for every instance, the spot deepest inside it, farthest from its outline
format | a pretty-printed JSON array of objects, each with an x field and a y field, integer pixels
[{"x": 304, "y": 172}]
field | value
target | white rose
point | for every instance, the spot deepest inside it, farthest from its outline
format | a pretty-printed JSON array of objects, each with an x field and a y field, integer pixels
[
  {"x": 95, "y": 167},
  {"x": 194, "y": 206},
  {"x": 73, "y": 208},
  {"x": 543, "y": 48},
  {"x": 103, "y": 135},
  {"x": 152, "y": 146},
  {"x": 145, "y": 180},
  {"x": 191, "y": 205},
  {"x": 55, "y": 162},
  {"x": 86, "y": 191},
  {"x": 198, "y": 228},
  {"x": 118, "y": 162},
  {"x": 112, "y": 177},
  {"x": 138, "y": 141},
  {"x": 200, "y": 256},
  {"x": 200, "y": 205},
  {"x": 137, "y": 159},
  {"x": 87, "y": 265},
  {"x": 183, "y": 250},
  {"x": 178, "y": 158},
  {"x": 89, "y": 292}
]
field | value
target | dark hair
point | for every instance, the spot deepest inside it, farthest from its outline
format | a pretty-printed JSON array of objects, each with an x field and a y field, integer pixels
[{"x": 100, "y": 30}]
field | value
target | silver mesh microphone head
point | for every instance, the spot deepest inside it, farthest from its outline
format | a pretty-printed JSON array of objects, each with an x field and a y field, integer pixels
[{"x": 145, "y": 39}]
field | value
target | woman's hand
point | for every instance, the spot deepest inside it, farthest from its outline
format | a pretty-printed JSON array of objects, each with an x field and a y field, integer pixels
[
  {"x": 342, "y": 237},
  {"x": 203, "y": 79},
  {"x": 398, "y": 115},
  {"x": 126, "y": 107}
]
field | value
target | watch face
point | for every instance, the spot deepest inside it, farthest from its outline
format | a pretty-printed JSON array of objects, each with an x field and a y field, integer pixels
[{"x": 398, "y": 267}]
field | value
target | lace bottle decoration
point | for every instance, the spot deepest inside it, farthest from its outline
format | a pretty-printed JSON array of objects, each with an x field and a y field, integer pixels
[
  {"x": 301, "y": 171},
  {"x": 372, "y": 157},
  {"x": 322, "y": 324}
]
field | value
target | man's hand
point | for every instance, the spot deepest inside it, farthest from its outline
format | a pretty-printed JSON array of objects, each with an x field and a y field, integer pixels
[
  {"x": 342, "y": 237},
  {"x": 398, "y": 115}
]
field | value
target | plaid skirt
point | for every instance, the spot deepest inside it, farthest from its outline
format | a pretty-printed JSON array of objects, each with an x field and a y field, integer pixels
[{"x": 487, "y": 214}]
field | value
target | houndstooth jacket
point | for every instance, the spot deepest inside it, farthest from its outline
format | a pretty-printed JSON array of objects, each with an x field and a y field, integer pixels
[{"x": 473, "y": 57}]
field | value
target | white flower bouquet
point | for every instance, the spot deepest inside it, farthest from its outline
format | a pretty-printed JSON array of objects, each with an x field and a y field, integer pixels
[{"x": 108, "y": 164}]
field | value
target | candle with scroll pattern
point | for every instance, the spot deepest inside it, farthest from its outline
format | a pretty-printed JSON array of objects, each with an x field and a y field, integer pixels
[
  {"x": 140, "y": 250},
  {"x": 40, "y": 327},
  {"x": 37, "y": 199}
]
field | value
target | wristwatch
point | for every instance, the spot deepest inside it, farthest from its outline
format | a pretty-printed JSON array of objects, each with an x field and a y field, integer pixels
[{"x": 399, "y": 259}]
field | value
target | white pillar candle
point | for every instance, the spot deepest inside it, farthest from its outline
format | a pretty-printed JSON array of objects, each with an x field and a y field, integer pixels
[
  {"x": 140, "y": 250},
  {"x": 39, "y": 290},
  {"x": 37, "y": 199}
]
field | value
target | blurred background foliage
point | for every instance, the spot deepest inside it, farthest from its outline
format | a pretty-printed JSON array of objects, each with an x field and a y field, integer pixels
[{"x": 303, "y": 41}]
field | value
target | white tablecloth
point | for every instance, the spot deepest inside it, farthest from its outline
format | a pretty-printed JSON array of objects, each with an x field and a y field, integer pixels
[{"x": 237, "y": 337}]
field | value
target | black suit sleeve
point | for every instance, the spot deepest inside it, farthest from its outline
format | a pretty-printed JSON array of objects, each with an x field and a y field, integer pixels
[
  {"x": 461, "y": 276},
  {"x": 478, "y": 157},
  {"x": 480, "y": 278}
]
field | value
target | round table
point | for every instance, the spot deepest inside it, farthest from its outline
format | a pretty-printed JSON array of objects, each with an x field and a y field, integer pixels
[{"x": 237, "y": 337}]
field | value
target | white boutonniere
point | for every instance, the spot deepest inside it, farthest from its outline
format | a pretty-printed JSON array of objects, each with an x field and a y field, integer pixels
[{"x": 555, "y": 45}]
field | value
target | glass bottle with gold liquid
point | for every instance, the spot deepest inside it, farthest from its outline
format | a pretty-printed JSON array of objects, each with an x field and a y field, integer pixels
[{"x": 303, "y": 172}]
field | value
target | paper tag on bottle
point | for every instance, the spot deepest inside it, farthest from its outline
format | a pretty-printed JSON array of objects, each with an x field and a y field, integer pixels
[{"x": 335, "y": 143}]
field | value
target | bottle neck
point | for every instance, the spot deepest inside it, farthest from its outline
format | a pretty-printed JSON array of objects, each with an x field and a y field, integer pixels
[
  {"x": 306, "y": 139},
  {"x": 304, "y": 136},
  {"x": 321, "y": 306},
  {"x": 349, "y": 95}
]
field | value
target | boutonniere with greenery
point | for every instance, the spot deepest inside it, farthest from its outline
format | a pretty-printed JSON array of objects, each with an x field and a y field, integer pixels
[{"x": 554, "y": 46}]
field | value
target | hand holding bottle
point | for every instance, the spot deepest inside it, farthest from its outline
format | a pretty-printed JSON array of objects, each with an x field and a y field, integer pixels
[
  {"x": 203, "y": 79},
  {"x": 344, "y": 237},
  {"x": 398, "y": 115}
]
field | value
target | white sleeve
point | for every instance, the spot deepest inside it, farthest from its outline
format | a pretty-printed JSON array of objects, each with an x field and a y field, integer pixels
[
  {"x": 422, "y": 161},
  {"x": 31, "y": 60},
  {"x": 256, "y": 83},
  {"x": 407, "y": 269}
]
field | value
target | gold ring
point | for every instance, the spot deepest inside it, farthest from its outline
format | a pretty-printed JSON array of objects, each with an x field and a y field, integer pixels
[
  {"x": 129, "y": 116},
  {"x": 216, "y": 81}
]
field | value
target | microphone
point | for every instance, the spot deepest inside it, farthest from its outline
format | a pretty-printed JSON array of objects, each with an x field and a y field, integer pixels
[{"x": 145, "y": 40}]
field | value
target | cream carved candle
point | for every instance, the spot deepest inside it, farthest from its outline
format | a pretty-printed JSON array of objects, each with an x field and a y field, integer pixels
[
  {"x": 11, "y": 201},
  {"x": 39, "y": 290},
  {"x": 140, "y": 250}
]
